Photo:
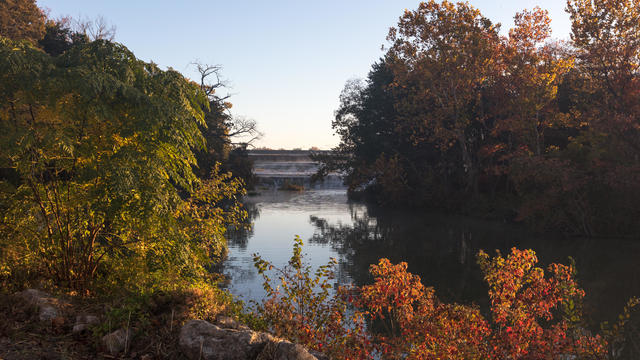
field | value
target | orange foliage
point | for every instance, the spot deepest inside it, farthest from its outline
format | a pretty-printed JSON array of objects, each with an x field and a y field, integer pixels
[{"x": 533, "y": 316}]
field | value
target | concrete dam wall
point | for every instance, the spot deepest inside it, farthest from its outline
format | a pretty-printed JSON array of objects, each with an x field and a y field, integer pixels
[{"x": 275, "y": 169}]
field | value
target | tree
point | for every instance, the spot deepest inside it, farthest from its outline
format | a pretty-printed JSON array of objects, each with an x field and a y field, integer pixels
[
  {"x": 225, "y": 135},
  {"x": 607, "y": 37},
  {"x": 445, "y": 56},
  {"x": 589, "y": 185},
  {"x": 21, "y": 20},
  {"x": 366, "y": 123},
  {"x": 103, "y": 143},
  {"x": 529, "y": 86},
  {"x": 96, "y": 29},
  {"x": 59, "y": 37}
]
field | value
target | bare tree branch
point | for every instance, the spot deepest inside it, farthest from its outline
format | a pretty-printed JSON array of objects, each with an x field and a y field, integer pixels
[
  {"x": 96, "y": 29},
  {"x": 243, "y": 129},
  {"x": 206, "y": 72}
]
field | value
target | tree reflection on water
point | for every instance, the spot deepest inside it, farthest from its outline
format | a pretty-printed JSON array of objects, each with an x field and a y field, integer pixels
[{"x": 441, "y": 250}]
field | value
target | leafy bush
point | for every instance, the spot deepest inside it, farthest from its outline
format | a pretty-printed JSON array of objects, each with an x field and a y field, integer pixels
[
  {"x": 100, "y": 145},
  {"x": 535, "y": 314},
  {"x": 303, "y": 309}
]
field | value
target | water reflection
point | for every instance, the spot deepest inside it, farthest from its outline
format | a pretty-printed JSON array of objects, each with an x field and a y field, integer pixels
[{"x": 440, "y": 248}]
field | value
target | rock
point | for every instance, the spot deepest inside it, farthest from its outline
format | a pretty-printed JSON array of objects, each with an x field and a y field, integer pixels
[
  {"x": 117, "y": 341},
  {"x": 289, "y": 351},
  {"x": 48, "y": 312},
  {"x": 202, "y": 340},
  {"x": 48, "y": 306},
  {"x": 228, "y": 322},
  {"x": 83, "y": 322},
  {"x": 33, "y": 296},
  {"x": 318, "y": 355}
]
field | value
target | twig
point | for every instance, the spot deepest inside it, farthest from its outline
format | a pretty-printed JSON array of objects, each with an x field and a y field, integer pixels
[
  {"x": 171, "y": 323},
  {"x": 126, "y": 336}
]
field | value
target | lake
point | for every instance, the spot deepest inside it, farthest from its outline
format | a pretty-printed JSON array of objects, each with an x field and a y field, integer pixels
[{"x": 440, "y": 248}]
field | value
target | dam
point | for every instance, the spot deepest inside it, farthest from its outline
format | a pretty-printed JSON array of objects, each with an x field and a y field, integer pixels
[{"x": 278, "y": 169}]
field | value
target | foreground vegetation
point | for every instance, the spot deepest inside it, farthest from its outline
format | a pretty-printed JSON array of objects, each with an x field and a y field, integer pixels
[
  {"x": 516, "y": 127},
  {"x": 111, "y": 167},
  {"x": 535, "y": 313},
  {"x": 115, "y": 190}
]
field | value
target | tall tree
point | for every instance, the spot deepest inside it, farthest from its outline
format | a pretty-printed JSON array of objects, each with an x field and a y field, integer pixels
[
  {"x": 59, "y": 37},
  {"x": 21, "y": 20},
  {"x": 532, "y": 73},
  {"x": 446, "y": 54},
  {"x": 103, "y": 145},
  {"x": 607, "y": 37},
  {"x": 225, "y": 135}
]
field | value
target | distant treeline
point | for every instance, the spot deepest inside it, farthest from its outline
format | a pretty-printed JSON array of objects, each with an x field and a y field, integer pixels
[{"x": 456, "y": 115}]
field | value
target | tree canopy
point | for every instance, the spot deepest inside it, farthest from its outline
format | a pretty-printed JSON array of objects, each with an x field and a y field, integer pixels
[
  {"x": 21, "y": 20},
  {"x": 103, "y": 146},
  {"x": 515, "y": 126}
]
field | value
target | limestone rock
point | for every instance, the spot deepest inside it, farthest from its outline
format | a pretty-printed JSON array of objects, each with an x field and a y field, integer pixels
[
  {"x": 117, "y": 341},
  {"x": 285, "y": 350},
  {"x": 48, "y": 306},
  {"x": 33, "y": 296},
  {"x": 319, "y": 356},
  {"x": 228, "y": 322},
  {"x": 289, "y": 351},
  {"x": 202, "y": 340},
  {"x": 48, "y": 312}
]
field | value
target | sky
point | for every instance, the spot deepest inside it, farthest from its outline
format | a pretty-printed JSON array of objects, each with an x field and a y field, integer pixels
[{"x": 285, "y": 62}]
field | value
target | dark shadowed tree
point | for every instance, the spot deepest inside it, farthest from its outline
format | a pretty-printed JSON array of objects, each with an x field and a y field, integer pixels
[
  {"x": 226, "y": 136},
  {"x": 59, "y": 37}
]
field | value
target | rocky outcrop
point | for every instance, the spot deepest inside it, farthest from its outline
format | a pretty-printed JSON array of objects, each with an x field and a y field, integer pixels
[
  {"x": 198, "y": 340},
  {"x": 202, "y": 340}
]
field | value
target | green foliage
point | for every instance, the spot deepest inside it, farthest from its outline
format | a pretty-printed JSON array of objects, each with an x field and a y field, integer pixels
[
  {"x": 103, "y": 146},
  {"x": 303, "y": 309},
  {"x": 59, "y": 37},
  {"x": 621, "y": 340}
]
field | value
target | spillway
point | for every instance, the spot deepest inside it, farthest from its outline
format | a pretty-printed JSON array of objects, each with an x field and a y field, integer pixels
[{"x": 275, "y": 169}]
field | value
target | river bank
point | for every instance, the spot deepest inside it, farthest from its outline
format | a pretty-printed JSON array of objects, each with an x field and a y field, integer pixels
[{"x": 179, "y": 325}]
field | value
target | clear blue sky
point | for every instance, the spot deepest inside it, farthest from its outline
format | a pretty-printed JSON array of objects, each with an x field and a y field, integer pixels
[{"x": 286, "y": 61}]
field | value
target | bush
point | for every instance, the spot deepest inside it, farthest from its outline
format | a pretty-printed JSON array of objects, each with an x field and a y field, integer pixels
[
  {"x": 535, "y": 314},
  {"x": 102, "y": 144},
  {"x": 303, "y": 309}
]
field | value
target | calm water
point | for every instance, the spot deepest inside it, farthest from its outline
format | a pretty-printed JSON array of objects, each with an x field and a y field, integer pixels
[{"x": 440, "y": 248}]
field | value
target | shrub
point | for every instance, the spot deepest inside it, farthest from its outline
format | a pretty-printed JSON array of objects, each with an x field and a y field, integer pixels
[
  {"x": 533, "y": 315},
  {"x": 304, "y": 310}
]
